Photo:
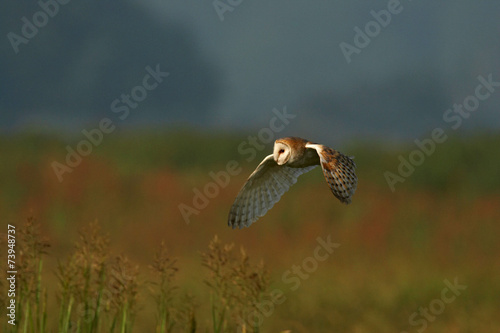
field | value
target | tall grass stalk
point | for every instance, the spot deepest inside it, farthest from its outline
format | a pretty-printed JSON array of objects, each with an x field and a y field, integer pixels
[
  {"x": 31, "y": 307},
  {"x": 123, "y": 288},
  {"x": 164, "y": 268},
  {"x": 237, "y": 286},
  {"x": 82, "y": 281},
  {"x": 124, "y": 318}
]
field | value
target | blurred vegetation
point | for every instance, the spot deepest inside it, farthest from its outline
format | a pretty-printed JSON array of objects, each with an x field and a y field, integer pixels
[
  {"x": 397, "y": 249},
  {"x": 458, "y": 164}
]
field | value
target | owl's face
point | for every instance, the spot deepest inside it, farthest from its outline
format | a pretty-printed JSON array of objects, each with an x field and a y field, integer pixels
[{"x": 281, "y": 152}]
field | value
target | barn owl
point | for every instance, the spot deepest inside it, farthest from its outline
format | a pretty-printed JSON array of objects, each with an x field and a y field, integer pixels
[{"x": 291, "y": 157}]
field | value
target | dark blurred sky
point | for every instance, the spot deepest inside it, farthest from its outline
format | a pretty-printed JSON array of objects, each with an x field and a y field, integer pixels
[{"x": 229, "y": 74}]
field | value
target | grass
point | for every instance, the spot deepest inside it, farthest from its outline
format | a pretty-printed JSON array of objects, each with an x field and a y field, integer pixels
[
  {"x": 165, "y": 269},
  {"x": 99, "y": 293},
  {"x": 237, "y": 287},
  {"x": 118, "y": 276},
  {"x": 31, "y": 303}
]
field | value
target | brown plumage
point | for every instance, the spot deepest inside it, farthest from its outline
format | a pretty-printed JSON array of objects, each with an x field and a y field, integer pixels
[{"x": 277, "y": 172}]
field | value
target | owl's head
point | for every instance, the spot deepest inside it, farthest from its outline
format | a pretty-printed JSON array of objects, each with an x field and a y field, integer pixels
[{"x": 282, "y": 152}]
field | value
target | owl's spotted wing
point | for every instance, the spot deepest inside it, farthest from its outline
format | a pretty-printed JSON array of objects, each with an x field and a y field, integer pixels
[
  {"x": 262, "y": 190},
  {"x": 339, "y": 172}
]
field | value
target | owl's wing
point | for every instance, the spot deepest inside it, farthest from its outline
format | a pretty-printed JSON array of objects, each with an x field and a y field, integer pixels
[
  {"x": 262, "y": 190},
  {"x": 339, "y": 172}
]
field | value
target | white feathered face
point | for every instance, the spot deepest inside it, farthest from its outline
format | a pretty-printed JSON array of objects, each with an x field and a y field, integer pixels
[{"x": 281, "y": 153}]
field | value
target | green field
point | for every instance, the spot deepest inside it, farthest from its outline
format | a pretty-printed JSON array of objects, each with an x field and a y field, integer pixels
[{"x": 89, "y": 254}]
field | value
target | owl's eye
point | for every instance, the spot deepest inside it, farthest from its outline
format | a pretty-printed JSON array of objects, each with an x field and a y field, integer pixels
[{"x": 281, "y": 151}]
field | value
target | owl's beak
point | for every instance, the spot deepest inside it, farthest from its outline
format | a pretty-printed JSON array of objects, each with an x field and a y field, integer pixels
[{"x": 276, "y": 158}]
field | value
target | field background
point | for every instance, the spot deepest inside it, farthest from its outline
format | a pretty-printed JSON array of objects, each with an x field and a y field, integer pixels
[{"x": 396, "y": 248}]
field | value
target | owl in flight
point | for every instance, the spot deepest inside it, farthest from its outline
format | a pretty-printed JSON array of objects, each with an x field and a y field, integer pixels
[{"x": 291, "y": 157}]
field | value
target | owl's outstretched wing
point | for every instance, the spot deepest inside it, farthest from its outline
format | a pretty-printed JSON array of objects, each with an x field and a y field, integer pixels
[
  {"x": 339, "y": 171},
  {"x": 262, "y": 190}
]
